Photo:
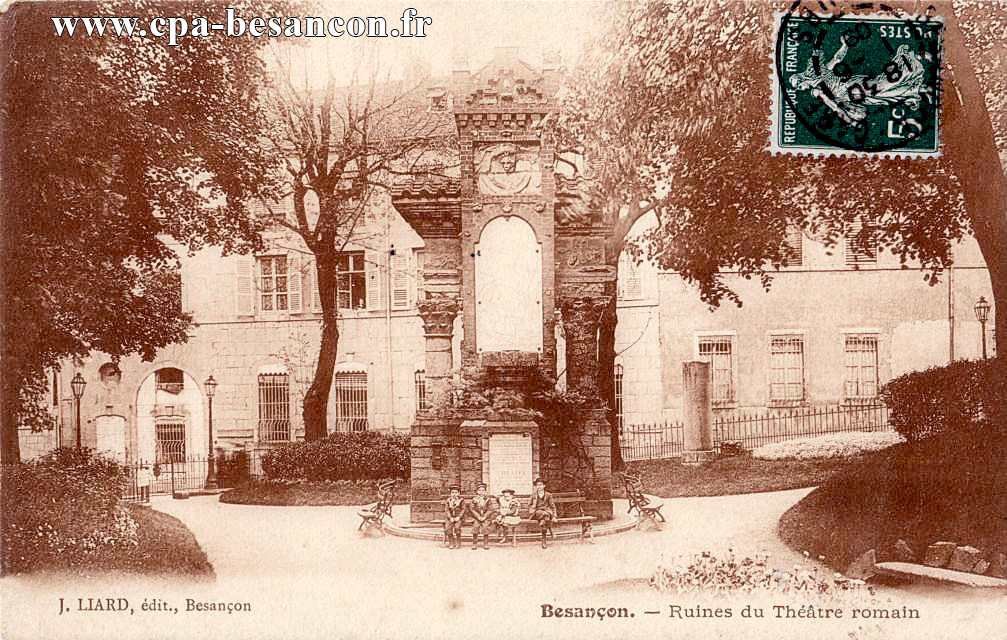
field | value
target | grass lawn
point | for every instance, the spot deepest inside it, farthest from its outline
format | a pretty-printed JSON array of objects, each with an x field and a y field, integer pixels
[
  {"x": 305, "y": 493},
  {"x": 950, "y": 487},
  {"x": 736, "y": 474},
  {"x": 166, "y": 547}
]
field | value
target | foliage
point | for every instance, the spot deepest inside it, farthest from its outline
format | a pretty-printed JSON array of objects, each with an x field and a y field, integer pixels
[
  {"x": 833, "y": 445},
  {"x": 63, "y": 510},
  {"x": 353, "y": 455},
  {"x": 707, "y": 572},
  {"x": 114, "y": 147},
  {"x": 684, "y": 132},
  {"x": 307, "y": 493},
  {"x": 947, "y": 398}
]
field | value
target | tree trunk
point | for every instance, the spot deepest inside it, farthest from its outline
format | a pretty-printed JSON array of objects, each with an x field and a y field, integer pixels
[
  {"x": 970, "y": 146},
  {"x": 316, "y": 400},
  {"x": 606, "y": 377}
]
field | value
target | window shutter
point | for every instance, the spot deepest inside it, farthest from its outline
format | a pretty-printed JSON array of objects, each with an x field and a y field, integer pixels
[
  {"x": 794, "y": 245},
  {"x": 309, "y": 286},
  {"x": 245, "y": 303},
  {"x": 858, "y": 251},
  {"x": 400, "y": 281},
  {"x": 375, "y": 282},
  {"x": 294, "y": 282}
]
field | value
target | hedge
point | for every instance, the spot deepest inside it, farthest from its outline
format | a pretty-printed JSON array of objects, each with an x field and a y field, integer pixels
[
  {"x": 64, "y": 510},
  {"x": 357, "y": 455},
  {"x": 947, "y": 398}
]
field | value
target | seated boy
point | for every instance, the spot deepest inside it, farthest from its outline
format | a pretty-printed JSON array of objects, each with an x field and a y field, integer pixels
[
  {"x": 454, "y": 511},
  {"x": 481, "y": 510}
]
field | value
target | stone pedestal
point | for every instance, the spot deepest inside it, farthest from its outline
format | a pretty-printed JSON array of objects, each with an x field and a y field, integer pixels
[{"x": 698, "y": 415}]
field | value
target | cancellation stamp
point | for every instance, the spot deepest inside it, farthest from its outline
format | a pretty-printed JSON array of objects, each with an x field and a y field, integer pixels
[{"x": 850, "y": 84}]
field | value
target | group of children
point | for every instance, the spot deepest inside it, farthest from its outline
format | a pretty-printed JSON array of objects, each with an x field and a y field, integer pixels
[{"x": 488, "y": 512}]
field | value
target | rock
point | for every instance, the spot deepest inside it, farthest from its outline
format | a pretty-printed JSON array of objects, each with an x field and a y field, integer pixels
[
  {"x": 863, "y": 567},
  {"x": 939, "y": 553},
  {"x": 903, "y": 552},
  {"x": 981, "y": 567},
  {"x": 998, "y": 566},
  {"x": 964, "y": 558}
]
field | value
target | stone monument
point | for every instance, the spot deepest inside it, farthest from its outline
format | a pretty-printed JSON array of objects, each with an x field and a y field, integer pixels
[{"x": 507, "y": 244}]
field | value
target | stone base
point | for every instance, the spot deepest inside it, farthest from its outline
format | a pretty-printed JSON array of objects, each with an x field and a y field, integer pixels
[
  {"x": 695, "y": 458},
  {"x": 601, "y": 509}
]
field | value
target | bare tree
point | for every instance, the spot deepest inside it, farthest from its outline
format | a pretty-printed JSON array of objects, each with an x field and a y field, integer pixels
[{"x": 342, "y": 143}]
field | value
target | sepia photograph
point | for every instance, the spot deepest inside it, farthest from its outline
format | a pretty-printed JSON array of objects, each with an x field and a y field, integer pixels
[{"x": 503, "y": 319}]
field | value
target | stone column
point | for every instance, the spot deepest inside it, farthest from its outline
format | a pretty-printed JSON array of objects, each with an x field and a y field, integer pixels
[
  {"x": 438, "y": 323},
  {"x": 697, "y": 413},
  {"x": 581, "y": 319}
]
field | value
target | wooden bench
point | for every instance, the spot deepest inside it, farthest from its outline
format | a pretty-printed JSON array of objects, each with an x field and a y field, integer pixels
[
  {"x": 639, "y": 502},
  {"x": 372, "y": 516},
  {"x": 565, "y": 501}
]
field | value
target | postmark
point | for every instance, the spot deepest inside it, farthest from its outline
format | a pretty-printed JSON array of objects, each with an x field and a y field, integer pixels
[{"x": 852, "y": 84}]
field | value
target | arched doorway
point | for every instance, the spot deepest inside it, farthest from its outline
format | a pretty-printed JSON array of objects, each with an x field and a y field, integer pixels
[
  {"x": 170, "y": 422},
  {"x": 508, "y": 287}
]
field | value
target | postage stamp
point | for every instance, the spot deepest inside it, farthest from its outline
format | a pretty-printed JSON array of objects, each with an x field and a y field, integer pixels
[{"x": 856, "y": 84}]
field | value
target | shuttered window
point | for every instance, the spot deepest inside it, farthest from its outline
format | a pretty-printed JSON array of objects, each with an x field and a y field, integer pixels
[
  {"x": 351, "y": 281},
  {"x": 719, "y": 352},
  {"x": 274, "y": 407},
  {"x": 861, "y": 366},
  {"x": 351, "y": 401},
  {"x": 793, "y": 246},
  {"x": 861, "y": 246},
  {"x": 786, "y": 368}
]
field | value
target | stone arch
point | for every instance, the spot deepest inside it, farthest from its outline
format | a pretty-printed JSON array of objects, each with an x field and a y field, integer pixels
[
  {"x": 168, "y": 405},
  {"x": 508, "y": 287}
]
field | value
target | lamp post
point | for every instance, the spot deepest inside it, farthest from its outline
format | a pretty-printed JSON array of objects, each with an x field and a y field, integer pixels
[
  {"x": 982, "y": 309},
  {"x": 211, "y": 471},
  {"x": 77, "y": 384}
]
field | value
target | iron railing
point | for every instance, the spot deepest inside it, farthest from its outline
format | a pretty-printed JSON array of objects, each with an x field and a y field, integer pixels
[{"x": 754, "y": 429}]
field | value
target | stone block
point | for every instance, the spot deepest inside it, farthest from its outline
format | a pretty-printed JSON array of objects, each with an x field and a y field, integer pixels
[
  {"x": 998, "y": 566},
  {"x": 863, "y": 567},
  {"x": 939, "y": 553},
  {"x": 903, "y": 552},
  {"x": 981, "y": 567},
  {"x": 964, "y": 558}
]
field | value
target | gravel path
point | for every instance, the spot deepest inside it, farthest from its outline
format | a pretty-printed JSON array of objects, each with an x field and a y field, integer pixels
[{"x": 307, "y": 573}]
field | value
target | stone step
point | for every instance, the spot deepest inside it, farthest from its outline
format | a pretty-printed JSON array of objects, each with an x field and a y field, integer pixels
[{"x": 912, "y": 571}]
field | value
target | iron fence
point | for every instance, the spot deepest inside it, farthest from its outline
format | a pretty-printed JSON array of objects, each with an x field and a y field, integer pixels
[
  {"x": 188, "y": 475},
  {"x": 652, "y": 441},
  {"x": 776, "y": 425},
  {"x": 753, "y": 429}
]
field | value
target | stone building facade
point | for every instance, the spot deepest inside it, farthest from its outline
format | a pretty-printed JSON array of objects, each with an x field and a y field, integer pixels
[{"x": 835, "y": 325}]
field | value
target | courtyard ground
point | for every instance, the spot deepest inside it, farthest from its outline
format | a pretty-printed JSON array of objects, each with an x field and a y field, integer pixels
[{"x": 307, "y": 573}]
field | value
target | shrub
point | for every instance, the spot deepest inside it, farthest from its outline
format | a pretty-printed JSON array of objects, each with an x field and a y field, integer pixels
[
  {"x": 947, "y": 398},
  {"x": 356, "y": 455},
  {"x": 833, "y": 445},
  {"x": 706, "y": 572},
  {"x": 63, "y": 509}
]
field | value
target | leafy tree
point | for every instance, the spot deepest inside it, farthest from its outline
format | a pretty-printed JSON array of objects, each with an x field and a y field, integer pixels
[
  {"x": 675, "y": 97},
  {"x": 112, "y": 148},
  {"x": 342, "y": 147}
]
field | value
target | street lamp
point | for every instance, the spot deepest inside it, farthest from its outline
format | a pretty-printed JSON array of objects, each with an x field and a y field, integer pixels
[
  {"x": 77, "y": 384},
  {"x": 982, "y": 310},
  {"x": 211, "y": 471}
]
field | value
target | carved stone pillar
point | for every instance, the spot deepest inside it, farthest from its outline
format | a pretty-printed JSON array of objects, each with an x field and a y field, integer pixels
[
  {"x": 438, "y": 323},
  {"x": 581, "y": 318}
]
